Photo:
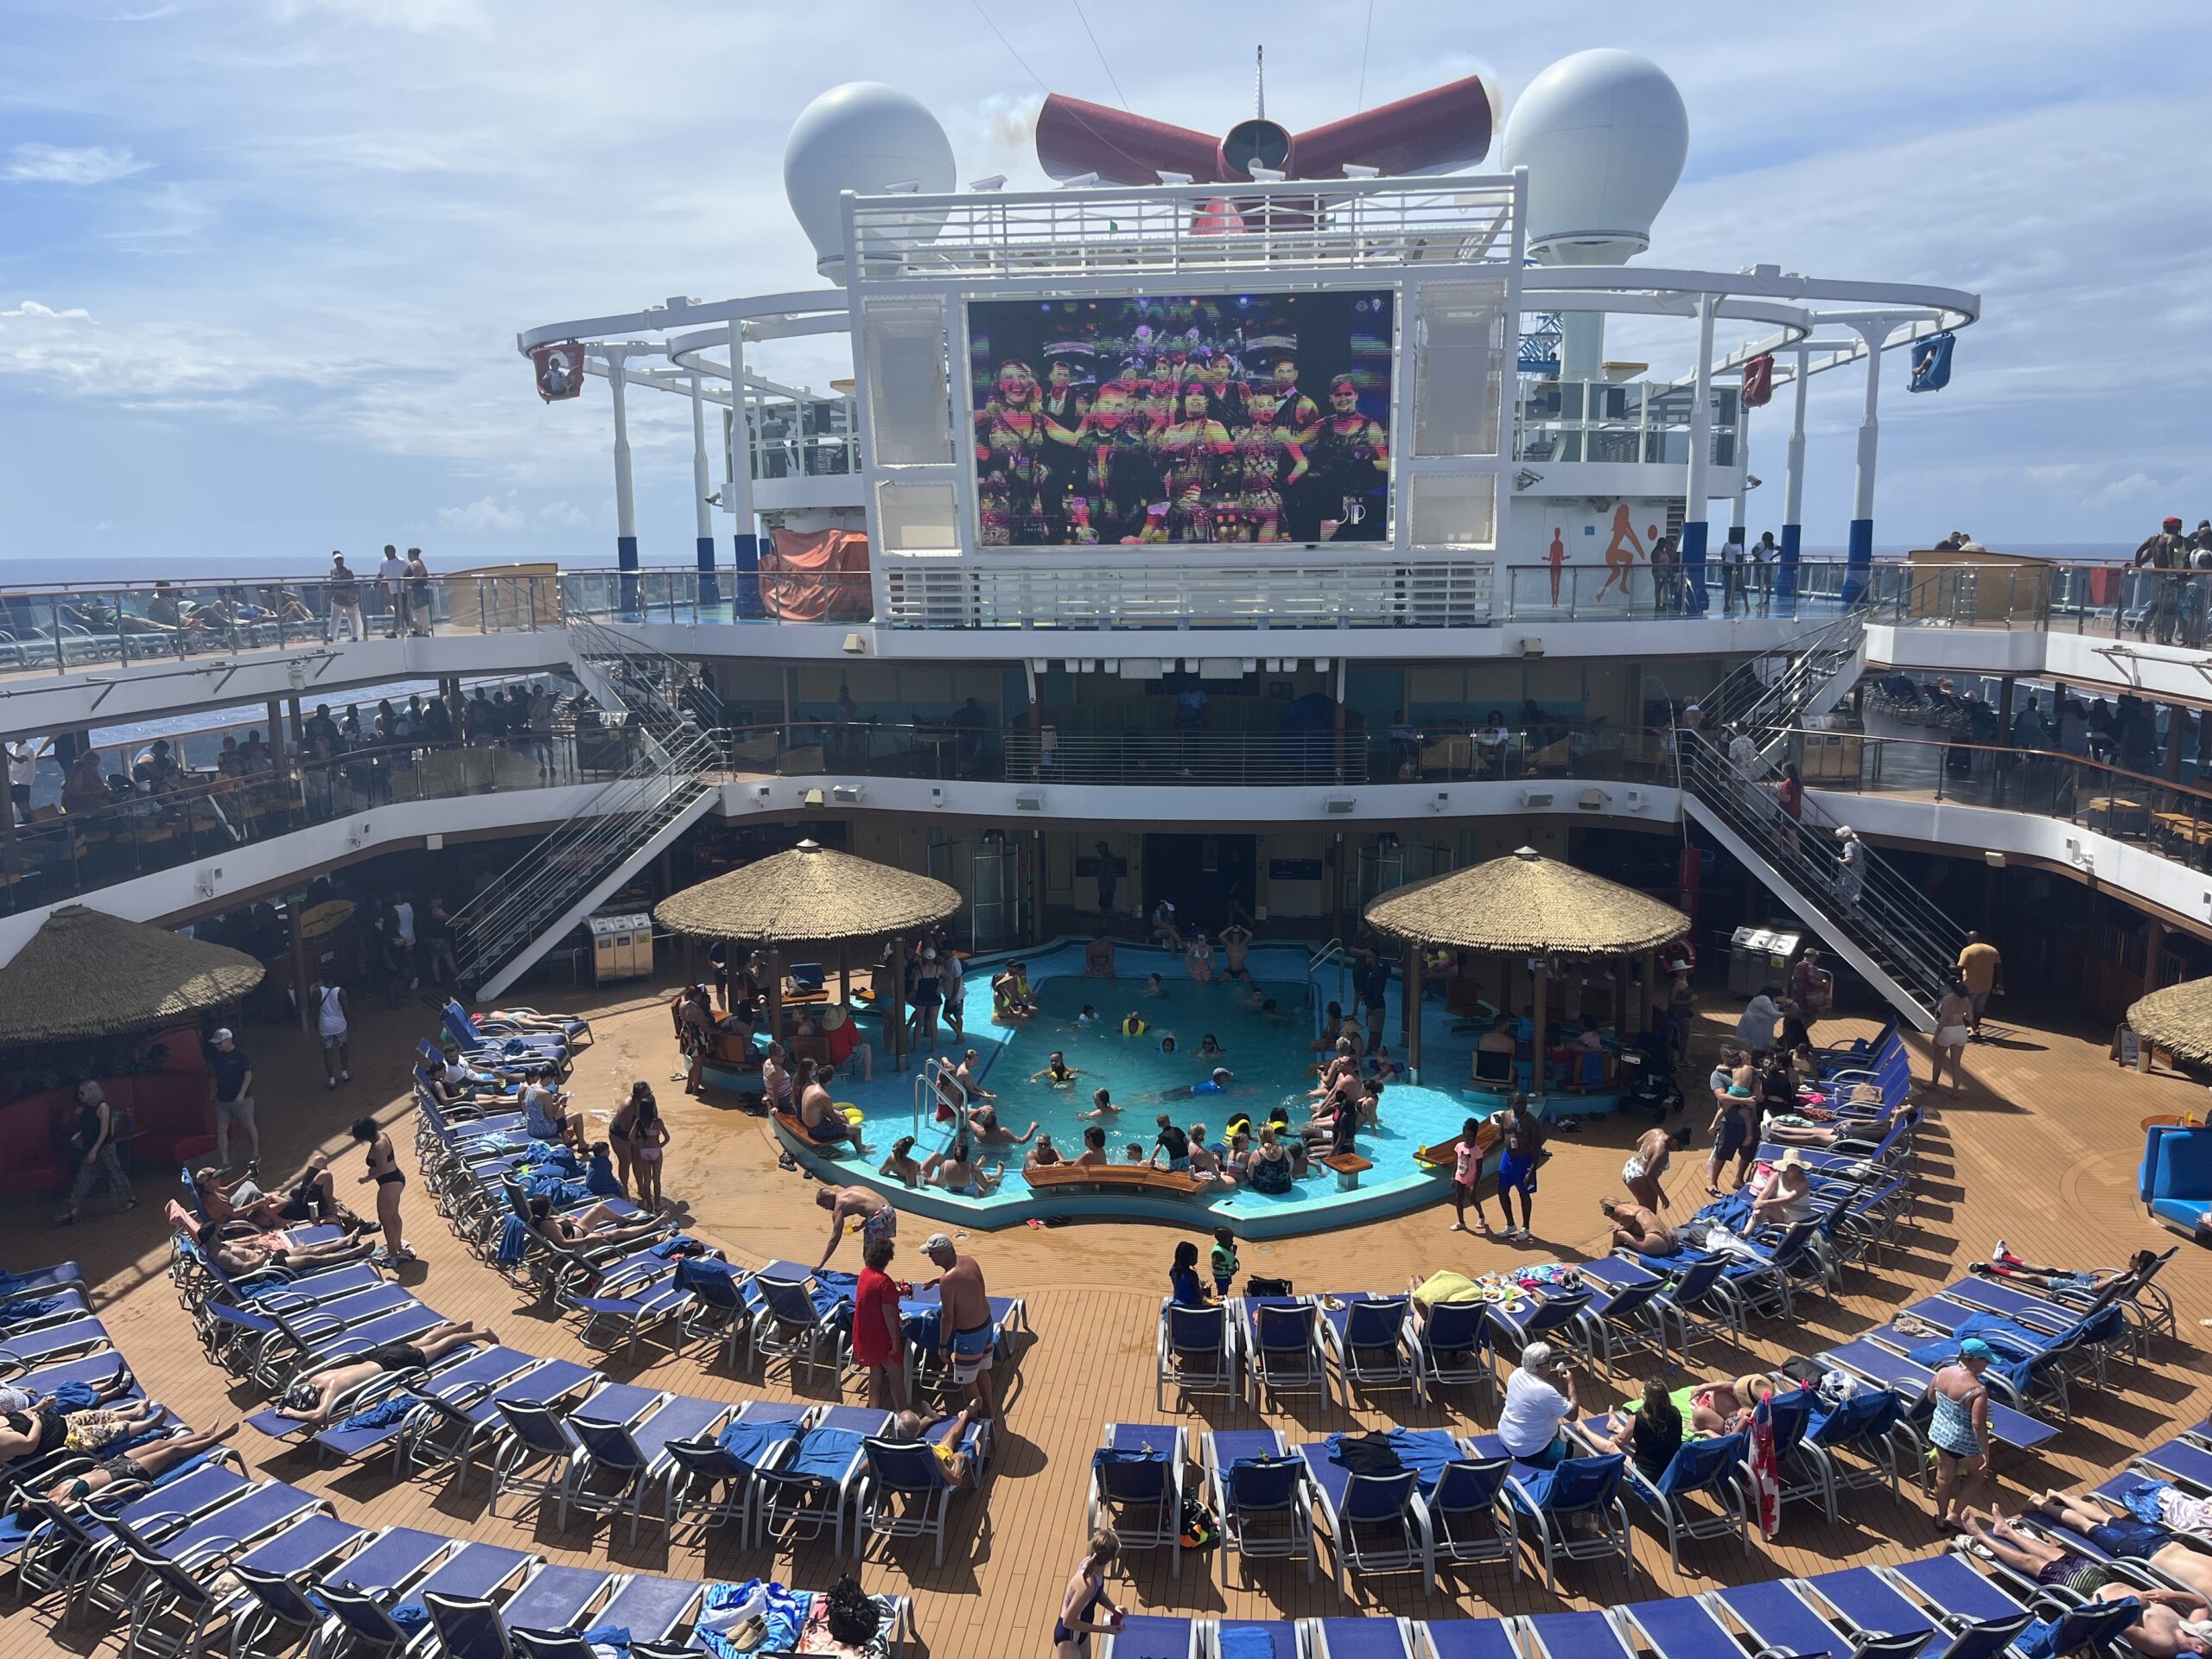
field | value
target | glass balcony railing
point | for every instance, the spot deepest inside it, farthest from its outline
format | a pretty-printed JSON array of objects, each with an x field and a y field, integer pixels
[{"x": 1637, "y": 421}]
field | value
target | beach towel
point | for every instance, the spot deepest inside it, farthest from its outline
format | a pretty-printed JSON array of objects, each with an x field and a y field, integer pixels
[
  {"x": 748, "y": 1443},
  {"x": 383, "y": 1413},
  {"x": 514, "y": 1240}
]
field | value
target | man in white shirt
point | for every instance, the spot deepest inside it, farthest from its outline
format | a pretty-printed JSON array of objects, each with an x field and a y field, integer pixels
[
  {"x": 403, "y": 927},
  {"x": 23, "y": 772},
  {"x": 1539, "y": 1397},
  {"x": 391, "y": 575}
]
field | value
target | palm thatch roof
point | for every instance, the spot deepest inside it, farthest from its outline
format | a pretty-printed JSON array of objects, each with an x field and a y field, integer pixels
[
  {"x": 86, "y": 974},
  {"x": 809, "y": 895},
  {"x": 2177, "y": 1019},
  {"x": 1527, "y": 905}
]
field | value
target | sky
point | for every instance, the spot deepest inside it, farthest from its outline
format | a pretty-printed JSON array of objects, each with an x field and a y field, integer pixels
[{"x": 262, "y": 262}]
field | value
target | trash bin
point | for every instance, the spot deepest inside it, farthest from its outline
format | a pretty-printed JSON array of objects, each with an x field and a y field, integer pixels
[
  {"x": 1758, "y": 957},
  {"x": 614, "y": 947},
  {"x": 638, "y": 956}
]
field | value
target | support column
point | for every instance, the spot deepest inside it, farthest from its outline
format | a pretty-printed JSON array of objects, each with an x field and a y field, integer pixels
[
  {"x": 1695, "y": 508},
  {"x": 294, "y": 910},
  {"x": 277, "y": 737},
  {"x": 1858, "y": 556},
  {"x": 1738, "y": 532},
  {"x": 1793, "y": 491},
  {"x": 737, "y": 494},
  {"x": 626, "y": 504},
  {"x": 776, "y": 1003},
  {"x": 1539, "y": 1078},
  {"x": 2154, "y": 944},
  {"x": 1650, "y": 993},
  {"x": 894, "y": 1007},
  {"x": 1413, "y": 1009},
  {"x": 710, "y": 593}
]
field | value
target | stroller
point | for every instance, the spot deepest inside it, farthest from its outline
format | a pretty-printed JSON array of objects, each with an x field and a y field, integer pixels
[{"x": 1652, "y": 1087}]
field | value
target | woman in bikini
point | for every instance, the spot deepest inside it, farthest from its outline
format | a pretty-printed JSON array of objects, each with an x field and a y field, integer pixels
[
  {"x": 385, "y": 1173},
  {"x": 601, "y": 1225},
  {"x": 649, "y": 1145},
  {"x": 1086, "y": 1595}
]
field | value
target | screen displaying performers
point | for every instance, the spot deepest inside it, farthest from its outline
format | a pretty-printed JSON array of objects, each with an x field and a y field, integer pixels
[{"x": 1225, "y": 418}]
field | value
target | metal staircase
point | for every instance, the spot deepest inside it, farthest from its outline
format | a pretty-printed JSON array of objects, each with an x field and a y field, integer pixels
[
  {"x": 1892, "y": 935},
  {"x": 1789, "y": 686},
  {"x": 666, "y": 788}
]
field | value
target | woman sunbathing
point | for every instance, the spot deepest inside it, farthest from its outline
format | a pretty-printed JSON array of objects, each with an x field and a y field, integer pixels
[
  {"x": 143, "y": 1464},
  {"x": 45, "y": 1429},
  {"x": 2109, "y": 1283},
  {"x": 1724, "y": 1407},
  {"x": 313, "y": 1398},
  {"x": 250, "y": 1255},
  {"x": 601, "y": 1225},
  {"x": 1638, "y": 1229}
]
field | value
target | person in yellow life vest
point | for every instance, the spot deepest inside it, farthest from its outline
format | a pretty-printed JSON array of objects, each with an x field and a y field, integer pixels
[{"x": 1134, "y": 1026}]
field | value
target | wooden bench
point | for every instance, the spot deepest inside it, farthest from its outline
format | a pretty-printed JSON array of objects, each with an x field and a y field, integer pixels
[
  {"x": 1115, "y": 1178},
  {"x": 1350, "y": 1166}
]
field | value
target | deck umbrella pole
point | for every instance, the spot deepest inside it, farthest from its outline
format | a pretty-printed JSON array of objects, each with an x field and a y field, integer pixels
[
  {"x": 1541, "y": 967},
  {"x": 297, "y": 905},
  {"x": 1413, "y": 1010},
  {"x": 845, "y": 972},
  {"x": 1650, "y": 991},
  {"x": 775, "y": 995},
  {"x": 1623, "y": 980},
  {"x": 894, "y": 1007}
]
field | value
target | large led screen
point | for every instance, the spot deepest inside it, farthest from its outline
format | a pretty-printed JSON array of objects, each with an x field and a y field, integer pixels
[{"x": 1243, "y": 417}]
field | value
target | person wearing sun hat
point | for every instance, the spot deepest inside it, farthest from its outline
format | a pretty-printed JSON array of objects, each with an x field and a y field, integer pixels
[
  {"x": 1788, "y": 1196},
  {"x": 841, "y": 1041}
]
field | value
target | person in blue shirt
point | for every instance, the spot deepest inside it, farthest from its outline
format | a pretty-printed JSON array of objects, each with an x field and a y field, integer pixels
[{"x": 1184, "y": 1286}]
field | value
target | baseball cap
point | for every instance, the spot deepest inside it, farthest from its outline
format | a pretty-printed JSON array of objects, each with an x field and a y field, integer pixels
[
  {"x": 935, "y": 1243},
  {"x": 1975, "y": 1348},
  {"x": 224, "y": 1035}
]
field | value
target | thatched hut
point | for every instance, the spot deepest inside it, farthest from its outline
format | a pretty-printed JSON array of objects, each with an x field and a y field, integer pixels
[
  {"x": 1524, "y": 904},
  {"x": 811, "y": 898},
  {"x": 2179, "y": 1020},
  {"x": 85, "y": 974}
]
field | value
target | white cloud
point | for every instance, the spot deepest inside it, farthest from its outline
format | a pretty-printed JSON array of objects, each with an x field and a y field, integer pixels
[
  {"x": 563, "y": 515},
  {"x": 52, "y": 164},
  {"x": 484, "y": 513}
]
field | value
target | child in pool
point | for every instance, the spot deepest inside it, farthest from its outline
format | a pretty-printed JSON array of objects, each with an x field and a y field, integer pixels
[
  {"x": 1088, "y": 1017},
  {"x": 1167, "y": 1044},
  {"x": 1133, "y": 1153}
]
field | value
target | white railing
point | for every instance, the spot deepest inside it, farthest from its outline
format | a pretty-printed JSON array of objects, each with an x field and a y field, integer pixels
[
  {"x": 921, "y": 592},
  {"x": 1337, "y": 223}
]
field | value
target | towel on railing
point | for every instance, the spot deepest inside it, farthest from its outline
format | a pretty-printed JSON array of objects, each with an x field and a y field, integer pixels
[
  {"x": 921, "y": 1326},
  {"x": 831, "y": 1287},
  {"x": 381, "y": 1414},
  {"x": 1106, "y": 1454},
  {"x": 745, "y": 1443},
  {"x": 600, "y": 1179},
  {"x": 514, "y": 1240}
]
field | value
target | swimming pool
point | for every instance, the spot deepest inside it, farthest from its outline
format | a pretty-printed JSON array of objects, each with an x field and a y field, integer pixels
[{"x": 1267, "y": 1057}]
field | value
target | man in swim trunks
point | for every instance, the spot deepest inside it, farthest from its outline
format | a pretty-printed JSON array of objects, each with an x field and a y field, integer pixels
[
  {"x": 2129, "y": 1537},
  {"x": 861, "y": 1203},
  {"x": 963, "y": 1321},
  {"x": 1521, "y": 1139},
  {"x": 314, "y": 1398},
  {"x": 1235, "y": 941}
]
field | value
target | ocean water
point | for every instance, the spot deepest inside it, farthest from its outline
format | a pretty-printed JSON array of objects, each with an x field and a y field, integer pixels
[{"x": 1266, "y": 1054}]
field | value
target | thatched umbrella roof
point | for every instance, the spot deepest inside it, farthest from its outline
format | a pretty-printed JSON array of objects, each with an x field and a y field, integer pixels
[
  {"x": 2177, "y": 1019},
  {"x": 809, "y": 895},
  {"x": 86, "y": 974},
  {"x": 1527, "y": 905}
]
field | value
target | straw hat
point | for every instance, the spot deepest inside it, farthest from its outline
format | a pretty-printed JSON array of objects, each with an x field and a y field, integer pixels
[
  {"x": 834, "y": 1017},
  {"x": 1527, "y": 905},
  {"x": 2177, "y": 1019},
  {"x": 86, "y": 974},
  {"x": 1791, "y": 1158},
  {"x": 809, "y": 895}
]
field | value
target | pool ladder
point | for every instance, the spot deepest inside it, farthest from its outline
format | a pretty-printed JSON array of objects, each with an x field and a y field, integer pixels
[{"x": 1333, "y": 951}]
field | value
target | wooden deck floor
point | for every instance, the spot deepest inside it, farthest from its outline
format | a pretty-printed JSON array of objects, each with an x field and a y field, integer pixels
[{"x": 2041, "y": 1149}]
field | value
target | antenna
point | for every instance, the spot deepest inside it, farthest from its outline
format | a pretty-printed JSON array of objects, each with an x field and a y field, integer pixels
[{"x": 1260, "y": 80}]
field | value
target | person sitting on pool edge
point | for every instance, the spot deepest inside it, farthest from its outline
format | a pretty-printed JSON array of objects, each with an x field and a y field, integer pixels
[
  {"x": 1206, "y": 1160},
  {"x": 824, "y": 1123},
  {"x": 1094, "y": 1149},
  {"x": 901, "y": 1164},
  {"x": 1057, "y": 1072},
  {"x": 957, "y": 1171},
  {"x": 1043, "y": 1155},
  {"x": 1171, "y": 1142}
]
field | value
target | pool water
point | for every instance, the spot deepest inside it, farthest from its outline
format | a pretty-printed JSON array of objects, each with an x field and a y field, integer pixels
[{"x": 1266, "y": 1055}]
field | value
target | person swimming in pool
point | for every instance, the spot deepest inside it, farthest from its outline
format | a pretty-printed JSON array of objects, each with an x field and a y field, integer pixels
[
  {"x": 1135, "y": 1025},
  {"x": 1167, "y": 1044},
  {"x": 1088, "y": 1017},
  {"x": 1210, "y": 1047},
  {"x": 1057, "y": 1072},
  {"x": 1101, "y": 1105},
  {"x": 1152, "y": 987}
]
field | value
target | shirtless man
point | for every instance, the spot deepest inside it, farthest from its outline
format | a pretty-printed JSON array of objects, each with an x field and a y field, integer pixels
[
  {"x": 236, "y": 1255},
  {"x": 983, "y": 1121},
  {"x": 819, "y": 1116},
  {"x": 965, "y": 1321},
  {"x": 850, "y": 1203},
  {"x": 1654, "y": 1151},
  {"x": 1637, "y": 1227},
  {"x": 2130, "y": 1538},
  {"x": 970, "y": 1077},
  {"x": 1235, "y": 941},
  {"x": 314, "y": 1398},
  {"x": 2170, "y": 1622}
]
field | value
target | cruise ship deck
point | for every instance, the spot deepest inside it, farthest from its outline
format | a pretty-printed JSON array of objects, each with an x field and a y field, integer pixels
[{"x": 2043, "y": 1097}]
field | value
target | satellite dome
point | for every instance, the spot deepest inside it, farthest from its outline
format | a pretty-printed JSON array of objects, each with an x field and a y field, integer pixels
[
  {"x": 868, "y": 138},
  {"x": 1603, "y": 133}
]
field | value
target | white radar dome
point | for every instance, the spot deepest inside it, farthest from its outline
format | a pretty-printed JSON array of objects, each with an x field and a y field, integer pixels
[
  {"x": 1603, "y": 133},
  {"x": 871, "y": 139}
]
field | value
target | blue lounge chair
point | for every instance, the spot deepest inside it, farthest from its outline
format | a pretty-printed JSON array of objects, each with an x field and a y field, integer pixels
[
  {"x": 1627, "y": 1309},
  {"x": 625, "y": 1455},
  {"x": 1781, "y": 1621},
  {"x": 444, "y": 1431},
  {"x": 1455, "y": 1348},
  {"x": 1712, "y": 1469},
  {"x": 712, "y": 1480},
  {"x": 1554, "y": 1505},
  {"x": 1574, "y": 1636},
  {"x": 551, "y": 1598},
  {"x": 718, "y": 1309},
  {"x": 1554, "y": 1318},
  {"x": 1866, "y": 1424},
  {"x": 1373, "y": 1523},
  {"x": 370, "y": 1619},
  {"x": 1699, "y": 1298},
  {"x": 181, "y": 1602},
  {"x": 1465, "y": 1639},
  {"x": 1681, "y": 1628},
  {"x": 1867, "y": 1604},
  {"x": 1281, "y": 1338},
  {"x": 1374, "y": 1343},
  {"x": 1136, "y": 1488},
  {"x": 114, "y": 1581},
  {"x": 1469, "y": 1516},
  {"x": 1197, "y": 1351},
  {"x": 1251, "y": 1638},
  {"x": 279, "y": 1601},
  {"x": 1373, "y": 1638},
  {"x": 810, "y": 1491},
  {"x": 67, "y": 1549},
  {"x": 636, "y": 1306},
  {"x": 650, "y": 1608},
  {"x": 787, "y": 1325},
  {"x": 905, "y": 1492},
  {"x": 1150, "y": 1635},
  {"x": 472, "y": 1374},
  {"x": 1259, "y": 1491},
  {"x": 27, "y": 1350}
]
